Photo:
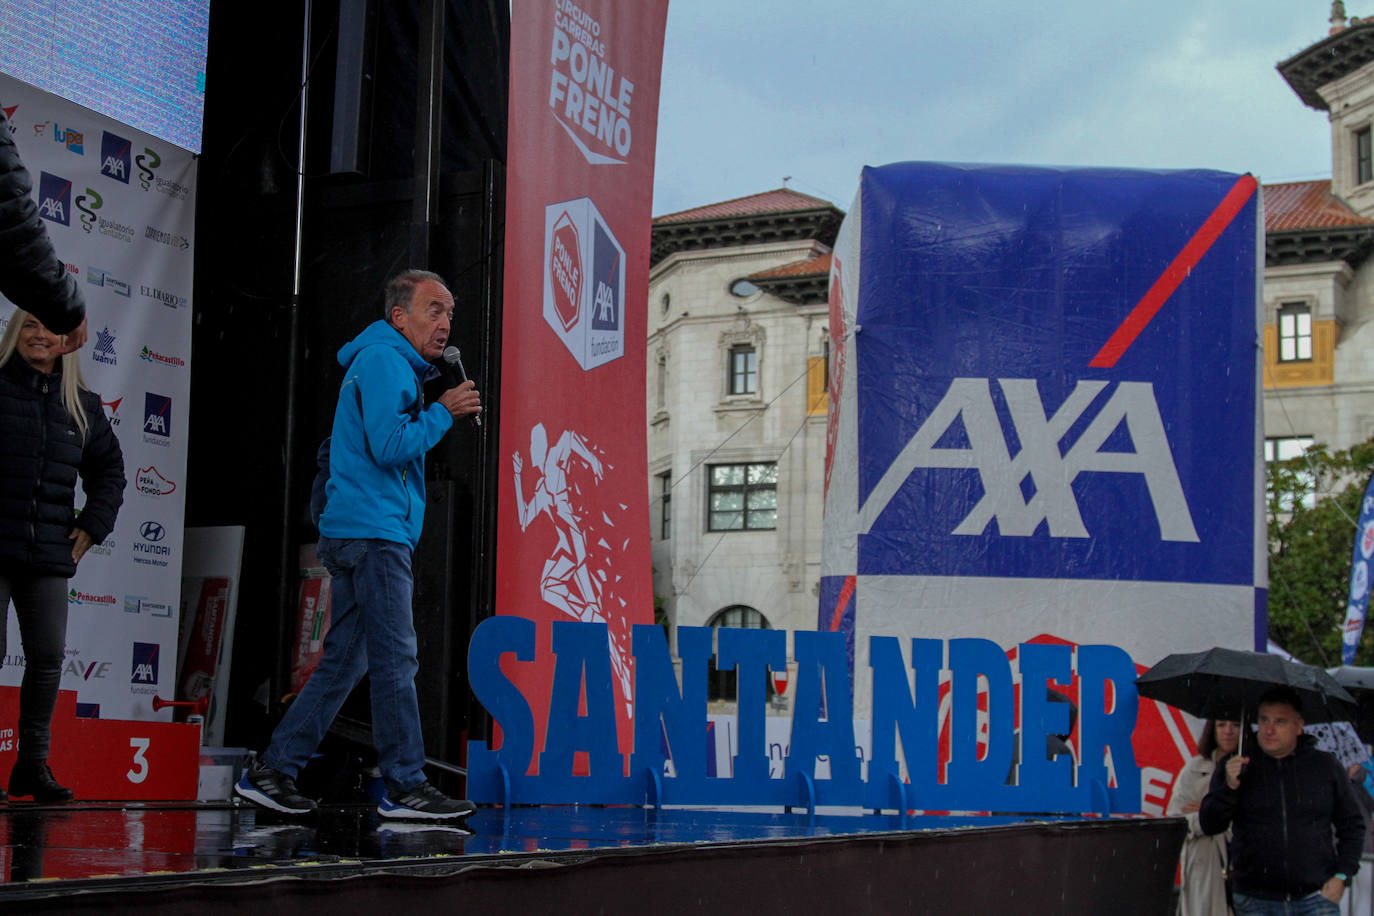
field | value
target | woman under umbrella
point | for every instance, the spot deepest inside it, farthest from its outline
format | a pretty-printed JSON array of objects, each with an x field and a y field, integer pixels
[
  {"x": 52, "y": 431},
  {"x": 1202, "y": 889}
]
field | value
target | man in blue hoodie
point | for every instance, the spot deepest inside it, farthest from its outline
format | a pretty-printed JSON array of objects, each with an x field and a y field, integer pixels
[{"x": 371, "y": 523}]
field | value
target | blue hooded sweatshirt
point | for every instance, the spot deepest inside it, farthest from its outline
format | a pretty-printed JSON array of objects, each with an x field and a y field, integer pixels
[{"x": 381, "y": 433}]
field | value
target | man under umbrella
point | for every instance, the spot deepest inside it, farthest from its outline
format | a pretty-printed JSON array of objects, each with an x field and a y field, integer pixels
[{"x": 1282, "y": 805}]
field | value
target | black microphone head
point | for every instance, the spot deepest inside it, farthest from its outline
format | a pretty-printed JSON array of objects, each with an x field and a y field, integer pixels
[{"x": 452, "y": 356}]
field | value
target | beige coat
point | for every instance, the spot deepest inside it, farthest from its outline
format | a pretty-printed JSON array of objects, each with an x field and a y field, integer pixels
[{"x": 1202, "y": 891}]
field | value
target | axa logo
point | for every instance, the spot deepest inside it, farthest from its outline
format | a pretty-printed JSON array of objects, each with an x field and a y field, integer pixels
[
  {"x": 104, "y": 349},
  {"x": 55, "y": 198},
  {"x": 143, "y": 669},
  {"x": 114, "y": 157},
  {"x": 584, "y": 282},
  {"x": 157, "y": 415},
  {"x": 1035, "y": 485},
  {"x": 88, "y": 203},
  {"x": 150, "y": 482},
  {"x": 73, "y": 140},
  {"x": 147, "y": 162}
]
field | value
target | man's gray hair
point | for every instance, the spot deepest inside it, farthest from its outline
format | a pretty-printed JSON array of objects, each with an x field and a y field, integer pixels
[{"x": 400, "y": 289}]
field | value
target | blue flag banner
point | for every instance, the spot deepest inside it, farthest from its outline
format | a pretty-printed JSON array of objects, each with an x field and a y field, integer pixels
[{"x": 1359, "y": 578}]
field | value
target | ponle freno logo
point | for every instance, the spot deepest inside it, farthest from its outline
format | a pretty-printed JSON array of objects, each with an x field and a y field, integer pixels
[
  {"x": 150, "y": 482},
  {"x": 587, "y": 97},
  {"x": 584, "y": 282}
]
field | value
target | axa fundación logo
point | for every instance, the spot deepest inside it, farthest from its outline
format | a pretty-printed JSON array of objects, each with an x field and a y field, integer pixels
[
  {"x": 143, "y": 668},
  {"x": 588, "y": 98},
  {"x": 157, "y": 419},
  {"x": 584, "y": 282},
  {"x": 114, "y": 157},
  {"x": 104, "y": 349},
  {"x": 55, "y": 198}
]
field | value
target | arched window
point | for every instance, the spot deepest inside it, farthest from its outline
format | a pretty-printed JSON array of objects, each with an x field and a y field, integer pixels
[{"x": 721, "y": 685}]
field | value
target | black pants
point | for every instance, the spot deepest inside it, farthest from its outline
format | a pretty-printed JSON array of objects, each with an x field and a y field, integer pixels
[{"x": 40, "y": 603}]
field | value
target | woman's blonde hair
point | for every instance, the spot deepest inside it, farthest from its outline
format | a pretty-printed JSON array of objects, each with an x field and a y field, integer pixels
[{"x": 72, "y": 383}]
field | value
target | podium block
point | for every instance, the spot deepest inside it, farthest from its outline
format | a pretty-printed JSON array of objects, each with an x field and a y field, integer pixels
[{"x": 109, "y": 759}]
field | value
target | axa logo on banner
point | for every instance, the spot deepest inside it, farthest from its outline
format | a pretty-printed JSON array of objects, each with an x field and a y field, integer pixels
[
  {"x": 587, "y": 97},
  {"x": 968, "y": 403},
  {"x": 55, "y": 198},
  {"x": 143, "y": 669},
  {"x": 584, "y": 282},
  {"x": 157, "y": 419},
  {"x": 114, "y": 157}
]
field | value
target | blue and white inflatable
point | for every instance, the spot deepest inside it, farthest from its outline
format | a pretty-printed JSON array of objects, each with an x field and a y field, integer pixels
[{"x": 1044, "y": 410}]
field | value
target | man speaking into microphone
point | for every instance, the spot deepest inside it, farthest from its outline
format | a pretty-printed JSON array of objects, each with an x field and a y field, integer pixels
[{"x": 370, "y": 526}]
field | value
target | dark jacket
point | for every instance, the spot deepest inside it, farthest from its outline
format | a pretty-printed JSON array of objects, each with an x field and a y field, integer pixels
[
  {"x": 1282, "y": 817},
  {"x": 41, "y": 456},
  {"x": 31, "y": 276}
]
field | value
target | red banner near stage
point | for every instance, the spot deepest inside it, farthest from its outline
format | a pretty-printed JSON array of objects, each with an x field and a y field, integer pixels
[{"x": 573, "y": 529}]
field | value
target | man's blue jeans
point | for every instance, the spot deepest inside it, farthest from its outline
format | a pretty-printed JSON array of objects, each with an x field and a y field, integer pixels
[
  {"x": 371, "y": 632},
  {"x": 1312, "y": 905}
]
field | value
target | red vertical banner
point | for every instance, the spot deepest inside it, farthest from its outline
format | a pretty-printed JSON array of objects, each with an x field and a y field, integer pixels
[{"x": 573, "y": 528}]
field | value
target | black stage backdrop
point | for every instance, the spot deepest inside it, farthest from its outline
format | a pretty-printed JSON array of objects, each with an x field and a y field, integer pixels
[{"x": 264, "y": 358}]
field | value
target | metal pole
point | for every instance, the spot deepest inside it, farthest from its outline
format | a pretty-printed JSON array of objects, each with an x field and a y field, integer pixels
[
  {"x": 288, "y": 562},
  {"x": 429, "y": 87}
]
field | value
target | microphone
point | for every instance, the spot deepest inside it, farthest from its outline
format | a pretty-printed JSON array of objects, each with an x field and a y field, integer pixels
[{"x": 454, "y": 360}]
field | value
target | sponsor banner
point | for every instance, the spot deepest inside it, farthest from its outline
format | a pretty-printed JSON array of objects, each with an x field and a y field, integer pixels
[
  {"x": 1044, "y": 417},
  {"x": 1359, "y": 578},
  {"x": 573, "y": 522},
  {"x": 119, "y": 206}
]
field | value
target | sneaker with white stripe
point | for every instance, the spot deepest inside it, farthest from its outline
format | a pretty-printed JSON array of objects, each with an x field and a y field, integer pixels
[{"x": 424, "y": 802}]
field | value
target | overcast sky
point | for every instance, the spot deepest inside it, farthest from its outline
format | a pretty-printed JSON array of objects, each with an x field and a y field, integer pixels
[{"x": 754, "y": 90}]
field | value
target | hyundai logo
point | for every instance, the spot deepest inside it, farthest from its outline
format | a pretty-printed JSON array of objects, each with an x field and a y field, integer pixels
[{"x": 152, "y": 531}]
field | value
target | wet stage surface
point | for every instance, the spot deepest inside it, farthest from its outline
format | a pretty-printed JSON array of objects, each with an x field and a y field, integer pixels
[{"x": 91, "y": 845}]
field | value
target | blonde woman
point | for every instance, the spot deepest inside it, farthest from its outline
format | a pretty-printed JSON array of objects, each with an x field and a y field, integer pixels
[
  {"x": 1202, "y": 890},
  {"x": 52, "y": 432}
]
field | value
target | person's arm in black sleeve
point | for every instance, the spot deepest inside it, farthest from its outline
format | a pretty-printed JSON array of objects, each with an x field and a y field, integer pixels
[
  {"x": 1348, "y": 821},
  {"x": 102, "y": 478},
  {"x": 31, "y": 275},
  {"x": 1219, "y": 804}
]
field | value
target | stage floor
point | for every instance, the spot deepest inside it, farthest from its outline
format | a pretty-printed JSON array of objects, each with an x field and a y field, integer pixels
[{"x": 90, "y": 845}]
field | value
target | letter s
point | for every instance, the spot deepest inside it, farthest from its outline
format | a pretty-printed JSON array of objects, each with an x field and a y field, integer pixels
[{"x": 494, "y": 637}]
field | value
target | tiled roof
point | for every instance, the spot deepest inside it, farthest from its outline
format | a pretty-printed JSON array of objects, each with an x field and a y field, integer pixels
[
  {"x": 1307, "y": 205},
  {"x": 780, "y": 200},
  {"x": 820, "y": 264}
]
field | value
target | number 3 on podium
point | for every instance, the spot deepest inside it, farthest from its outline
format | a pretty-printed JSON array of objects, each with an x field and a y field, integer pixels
[{"x": 140, "y": 768}]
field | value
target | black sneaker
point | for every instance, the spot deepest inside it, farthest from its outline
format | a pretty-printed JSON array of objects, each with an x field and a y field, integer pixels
[
  {"x": 272, "y": 789},
  {"x": 424, "y": 802},
  {"x": 34, "y": 778}
]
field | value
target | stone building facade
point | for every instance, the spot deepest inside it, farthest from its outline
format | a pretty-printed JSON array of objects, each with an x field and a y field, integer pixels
[
  {"x": 737, "y": 348},
  {"x": 1318, "y": 334}
]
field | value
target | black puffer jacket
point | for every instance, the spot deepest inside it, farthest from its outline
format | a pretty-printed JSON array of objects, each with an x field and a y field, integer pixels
[
  {"x": 41, "y": 455},
  {"x": 1282, "y": 818},
  {"x": 31, "y": 276}
]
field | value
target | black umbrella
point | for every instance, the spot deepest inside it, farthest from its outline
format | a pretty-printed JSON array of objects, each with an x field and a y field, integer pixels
[
  {"x": 1228, "y": 683},
  {"x": 1359, "y": 682}
]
